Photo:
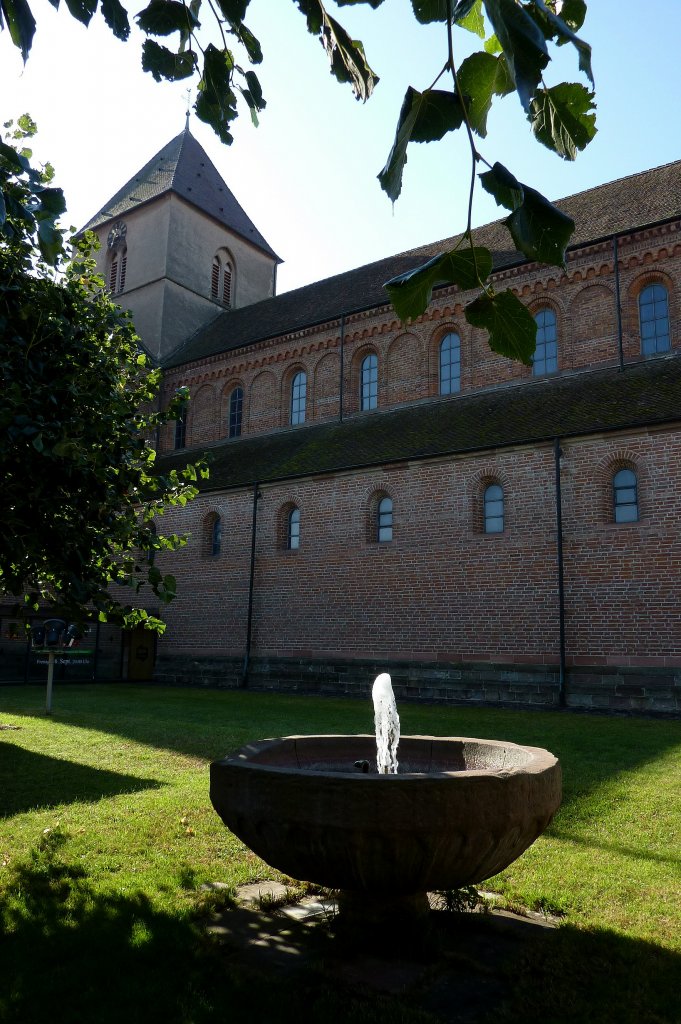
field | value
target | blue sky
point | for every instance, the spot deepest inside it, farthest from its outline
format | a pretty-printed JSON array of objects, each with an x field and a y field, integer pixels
[{"x": 307, "y": 175}]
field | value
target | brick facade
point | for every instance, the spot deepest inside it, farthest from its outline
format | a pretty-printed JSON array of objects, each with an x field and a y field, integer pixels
[{"x": 455, "y": 612}]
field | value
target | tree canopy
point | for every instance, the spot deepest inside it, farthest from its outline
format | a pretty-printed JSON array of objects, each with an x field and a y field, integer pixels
[
  {"x": 210, "y": 40},
  {"x": 80, "y": 490}
]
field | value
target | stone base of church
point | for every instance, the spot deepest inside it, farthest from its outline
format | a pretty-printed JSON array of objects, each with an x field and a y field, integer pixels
[{"x": 616, "y": 689}]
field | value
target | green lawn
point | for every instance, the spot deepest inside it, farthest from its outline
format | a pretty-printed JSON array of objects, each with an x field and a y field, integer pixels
[{"x": 107, "y": 834}]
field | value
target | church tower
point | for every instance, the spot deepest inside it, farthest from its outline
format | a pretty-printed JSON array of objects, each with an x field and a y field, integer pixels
[{"x": 177, "y": 249}]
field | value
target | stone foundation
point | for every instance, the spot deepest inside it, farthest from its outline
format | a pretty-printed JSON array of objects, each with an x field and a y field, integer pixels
[{"x": 613, "y": 689}]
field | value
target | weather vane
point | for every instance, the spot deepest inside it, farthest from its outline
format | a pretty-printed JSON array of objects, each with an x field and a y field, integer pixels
[{"x": 189, "y": 97}]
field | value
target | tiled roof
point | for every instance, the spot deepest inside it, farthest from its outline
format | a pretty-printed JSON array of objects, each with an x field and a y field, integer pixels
[
  {"x": 183, "y": 167},
  {"x": 644, "y": 393},
  {"x": 636, "y": 201}
]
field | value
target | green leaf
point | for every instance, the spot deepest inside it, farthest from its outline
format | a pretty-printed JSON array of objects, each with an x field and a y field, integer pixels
[
  {"x": 255, "y": 90},
  {"x": 573, "y": 13},
  {"x": 523, "y": 44},
  {"x": 21, "y": 24},
  {"x": 346, "y": 56},
  {"x": 539, "y": 229},
  {"x": 511, "y": 327},
  {"x": 3, "y": 210},
  {"x": 427, "y": 11},
  {"x": 410, "y": 293},
  {"x": 233, "y": 10},
  {"x": 18, "y": 163},
  {"x": 163, "y": 63},
  {"x": 468, "y": 14},
  {"x": 424, "y": 117},
  {"x": 163, "y": 17},
  {"x": 252, "y": 105},
  {"x": 251, "y": 44},
  {"x": 52, "y": 203},
  {"x": 216, "y": 102},
  {"x": 566, "y": 35},
  {"x": 561, "y": 118},
  {"x": 482, "y": 76},
  {"x": 116, "y": 17},
  {"x": 505, "y": 188},
  {"x": 82, "y": 10},
  {"x": 50, "y": 241}
]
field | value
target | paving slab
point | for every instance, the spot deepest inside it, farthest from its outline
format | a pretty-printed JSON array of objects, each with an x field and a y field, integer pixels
[{"x": 461, "y": 974}]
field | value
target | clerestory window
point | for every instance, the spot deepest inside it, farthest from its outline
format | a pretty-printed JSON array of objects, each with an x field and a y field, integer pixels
[
  {"x": 653, "y": 311},
  {"x": 450, "y": 364},
  {"x": 236, "y": 405},
  {"x": 369, "y": 383},
  {"x": 298, "y": 398},
  {"x": 545, "y": 359}
]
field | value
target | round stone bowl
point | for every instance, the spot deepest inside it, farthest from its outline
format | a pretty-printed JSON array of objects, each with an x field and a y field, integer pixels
[{"x": 458, "y": 811}]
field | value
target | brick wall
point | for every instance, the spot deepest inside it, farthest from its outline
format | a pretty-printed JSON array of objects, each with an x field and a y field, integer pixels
[
  {"x": 443, "y": 596},
  {"x": 582, "y": 298}
]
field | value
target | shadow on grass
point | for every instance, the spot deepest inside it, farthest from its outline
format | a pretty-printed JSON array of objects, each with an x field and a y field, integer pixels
[
  {"x": 73, "y": 954},
  {"x": 211, "y": 723},
  {"x": 31, "y": 780},
  {"x": 621, "y": 849}
]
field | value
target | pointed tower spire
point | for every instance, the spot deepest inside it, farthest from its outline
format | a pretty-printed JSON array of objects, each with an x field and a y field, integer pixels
[{"x": 177, "y": 247}]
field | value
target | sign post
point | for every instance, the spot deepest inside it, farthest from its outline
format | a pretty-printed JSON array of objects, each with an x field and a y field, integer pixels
[
  {"x": 50, "y": 676},
  {"x": 52, "y": 636}
]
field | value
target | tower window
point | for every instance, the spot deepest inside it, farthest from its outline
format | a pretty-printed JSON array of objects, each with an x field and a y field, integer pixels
[
  {"x": 221, "y": 280},
  {"x": 117, "y": 271}
]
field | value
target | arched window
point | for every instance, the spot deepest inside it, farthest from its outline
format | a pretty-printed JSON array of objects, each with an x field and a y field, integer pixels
[
  {"x": 236, "y": 405},
  {"x": 493, "y": 509},
  {"x": 293, "y": 530},
  {"x": 625, "y": 496},
  {"x": 216, "y": 536},
  {"x": 181, "y": 429},
  {"x": 117, "y": 270},
  {"x": 221, "y": 280},
  {"x": 368, "y": 396},
  {"x": 450, "y": 364},
  {"x": 384, "y": 523},
  {"x": 653, "y": 311},
  {"x": 545, "y": 359},
  {"x": 298, "y": 395}
]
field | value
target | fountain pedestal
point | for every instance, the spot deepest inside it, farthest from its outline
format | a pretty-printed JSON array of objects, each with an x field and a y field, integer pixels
[{"x": 459, "y": 811}]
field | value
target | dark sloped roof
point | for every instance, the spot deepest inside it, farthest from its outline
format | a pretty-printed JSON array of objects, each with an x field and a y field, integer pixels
[
  {"x": 619, "y": 206},
  {"x": 183, "y": 167},
  {"x": 582, "y": 403}
]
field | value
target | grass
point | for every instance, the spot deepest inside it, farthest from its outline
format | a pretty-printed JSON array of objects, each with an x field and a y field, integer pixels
[{"x": 107, "y": 834}]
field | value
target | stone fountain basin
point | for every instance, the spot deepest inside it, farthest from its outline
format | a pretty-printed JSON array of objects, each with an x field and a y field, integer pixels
[{"x": 458, "y": 811}]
